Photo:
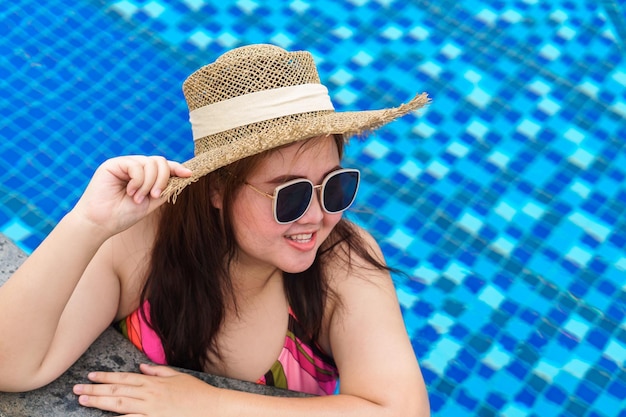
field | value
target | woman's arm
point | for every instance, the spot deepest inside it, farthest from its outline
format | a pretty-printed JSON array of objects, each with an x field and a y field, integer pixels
[
  {"x": 162, "y": 391},
  {"x": 66, "y": 293},
  {"x": 369, "y": 341},
  {"x": 34, "y": 298}
]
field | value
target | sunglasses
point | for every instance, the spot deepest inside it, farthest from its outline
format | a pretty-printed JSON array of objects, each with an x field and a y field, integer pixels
[{"x": 293, "y": 198}]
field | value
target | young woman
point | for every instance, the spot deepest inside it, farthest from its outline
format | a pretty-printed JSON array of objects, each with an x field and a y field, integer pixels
[{"x": 249, "y": 272}]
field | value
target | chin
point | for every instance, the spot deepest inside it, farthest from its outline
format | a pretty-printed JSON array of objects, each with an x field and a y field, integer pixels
[{"x": 296, "y": 269}]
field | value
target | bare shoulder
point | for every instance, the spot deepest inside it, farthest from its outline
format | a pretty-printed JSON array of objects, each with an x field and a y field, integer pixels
[
  {"x": 365, "y": 330},
  {"x": 356, "y": 260},
  {"x": 357, "y": 279}
]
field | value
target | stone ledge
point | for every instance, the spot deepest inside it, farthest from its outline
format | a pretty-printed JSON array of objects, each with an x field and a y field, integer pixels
[{"x": 110, "y": 352}]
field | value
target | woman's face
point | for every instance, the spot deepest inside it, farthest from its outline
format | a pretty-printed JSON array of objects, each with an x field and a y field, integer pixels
[{"x": 263, "y": 243}]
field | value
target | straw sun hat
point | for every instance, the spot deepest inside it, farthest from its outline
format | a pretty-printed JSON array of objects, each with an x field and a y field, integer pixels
[{"x": 259, "y": 97}]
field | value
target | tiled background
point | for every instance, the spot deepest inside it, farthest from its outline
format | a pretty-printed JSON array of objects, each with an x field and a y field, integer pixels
[{"x": 504, "y": 200}]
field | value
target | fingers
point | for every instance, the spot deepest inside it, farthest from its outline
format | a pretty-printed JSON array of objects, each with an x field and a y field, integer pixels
[
  {"x": 148, "y": 176},
  {"x": 155, "y": 370},
  {"x": 145, "y": 176},
  {"x": 159, "y": 390},
  {"x": 117, "y": 392},
  {"x": 123, "y": 392},
  {"x": 179, "y": 170},
  {"x": 115, "y": 198},
  {"x": 116, "y": 404},
  {"x": 125, "y": 378}
]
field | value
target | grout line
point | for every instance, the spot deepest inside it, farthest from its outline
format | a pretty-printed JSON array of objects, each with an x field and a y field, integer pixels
[
  {"x": 615, "y": 13},
  {"x": 487, "y": 39}
]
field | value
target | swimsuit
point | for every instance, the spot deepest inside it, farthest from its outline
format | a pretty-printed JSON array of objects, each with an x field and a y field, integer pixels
[{"x": 299, "y": 367}]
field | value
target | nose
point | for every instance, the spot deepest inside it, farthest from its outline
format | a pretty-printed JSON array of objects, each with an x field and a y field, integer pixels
[{"x": 315, "y": 213}]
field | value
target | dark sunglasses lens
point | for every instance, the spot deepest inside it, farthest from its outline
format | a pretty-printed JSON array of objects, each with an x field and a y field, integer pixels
[
  {"x": 292, "y": 201},
  {"x": 340, "y": 190}
]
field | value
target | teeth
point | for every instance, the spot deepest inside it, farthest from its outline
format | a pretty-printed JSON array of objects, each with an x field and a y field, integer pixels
[{"x": 301, "y": 238}]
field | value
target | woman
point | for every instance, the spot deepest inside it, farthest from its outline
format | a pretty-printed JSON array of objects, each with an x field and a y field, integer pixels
[{"x": 252, "y": 262}]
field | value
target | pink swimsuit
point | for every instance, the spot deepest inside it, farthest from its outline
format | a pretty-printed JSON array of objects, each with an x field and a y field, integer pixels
[{"x": 299, "y": 367}]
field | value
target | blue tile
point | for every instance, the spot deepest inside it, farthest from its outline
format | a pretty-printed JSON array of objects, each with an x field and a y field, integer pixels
[{"x": 514, "y": 166}]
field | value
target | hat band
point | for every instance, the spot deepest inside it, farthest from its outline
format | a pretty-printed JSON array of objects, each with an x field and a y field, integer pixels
[{"x": 257, "y": 107}]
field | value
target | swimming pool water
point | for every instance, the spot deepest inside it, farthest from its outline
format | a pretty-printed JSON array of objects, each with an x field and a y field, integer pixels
[{"x": 504, "y": 200}]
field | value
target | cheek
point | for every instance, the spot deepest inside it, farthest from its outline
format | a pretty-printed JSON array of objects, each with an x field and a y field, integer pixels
[
  {"x": 330, "y": 221},
  {"x": 252, "y": 215}
]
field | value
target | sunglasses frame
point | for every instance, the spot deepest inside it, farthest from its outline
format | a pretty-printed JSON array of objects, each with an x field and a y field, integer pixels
[{"x": 319, "y": 187}]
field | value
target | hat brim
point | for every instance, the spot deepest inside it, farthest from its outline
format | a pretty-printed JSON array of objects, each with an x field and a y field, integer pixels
[{"x": 300, "y": 127}]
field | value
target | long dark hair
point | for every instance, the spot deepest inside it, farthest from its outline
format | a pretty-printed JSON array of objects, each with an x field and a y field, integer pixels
[{"x": 188, "y": 285}]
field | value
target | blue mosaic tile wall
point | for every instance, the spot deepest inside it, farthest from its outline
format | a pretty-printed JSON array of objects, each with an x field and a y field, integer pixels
[{"x": 504, "y": 200}]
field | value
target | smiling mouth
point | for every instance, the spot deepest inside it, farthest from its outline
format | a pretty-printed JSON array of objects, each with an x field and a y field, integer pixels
[{"x": 301, "y": 238}]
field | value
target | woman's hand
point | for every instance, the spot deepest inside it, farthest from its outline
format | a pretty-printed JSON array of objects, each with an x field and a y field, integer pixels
[
  {"x": 123, "y": 190},
  {"x": 160, "y": 391}
]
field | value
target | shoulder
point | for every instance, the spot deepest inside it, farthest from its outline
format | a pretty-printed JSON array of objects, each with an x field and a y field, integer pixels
[
  {"x": 355, "y": 255},
  {"x": 365, "y": 330},
  {"x": 355, "y": 270}
]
